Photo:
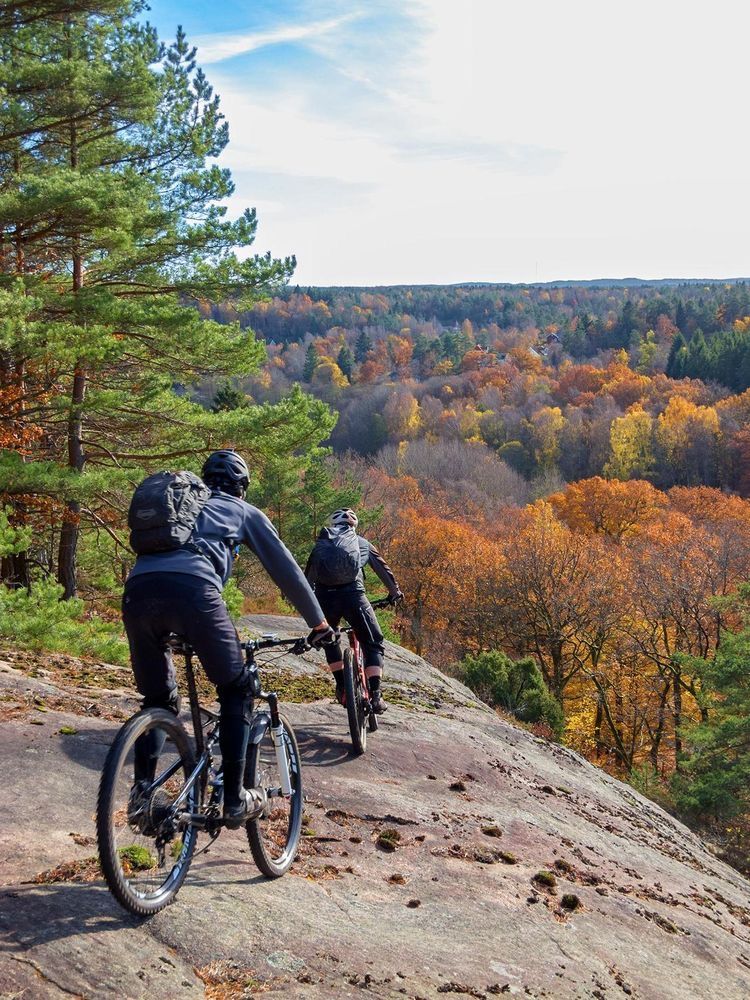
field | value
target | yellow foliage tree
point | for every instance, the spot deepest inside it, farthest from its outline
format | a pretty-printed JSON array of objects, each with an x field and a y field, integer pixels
[{"x": 631, "y": 444}]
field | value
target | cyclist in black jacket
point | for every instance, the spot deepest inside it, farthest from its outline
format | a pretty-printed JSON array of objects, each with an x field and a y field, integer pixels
[
  {"x": 180, "y": 591},
  {"x": 349, "y": 600}
]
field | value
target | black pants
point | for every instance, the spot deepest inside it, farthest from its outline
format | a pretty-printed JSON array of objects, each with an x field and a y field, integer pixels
[
  {"x": 156, "y": 604},
  {"x": 351, "y": 604}
]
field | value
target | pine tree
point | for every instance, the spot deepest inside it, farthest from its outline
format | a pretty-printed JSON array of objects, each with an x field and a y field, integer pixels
[
  {"x": 363, "y": 347},
  {"x": 676, "y": 360},
  {"x": 345, "y": 361},
  {"x": 680, "y": 318},
  {"x": 311, "y": 362},
  {"x": 110, "y": 224},
  {"x": 228, "y": 397},
  {"x": 716, "y": 775},
  {"x": 697, "y": 363}
]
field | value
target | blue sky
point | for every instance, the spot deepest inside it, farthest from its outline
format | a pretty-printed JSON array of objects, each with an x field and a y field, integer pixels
[{"x": 394, "y": 141}]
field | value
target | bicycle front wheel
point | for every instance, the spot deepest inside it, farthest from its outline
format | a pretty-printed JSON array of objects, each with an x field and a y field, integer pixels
[
  {"x": 144, "y": 853},
  {"x": 274, "y": 835},
  {"x": 355, "y": 703}
]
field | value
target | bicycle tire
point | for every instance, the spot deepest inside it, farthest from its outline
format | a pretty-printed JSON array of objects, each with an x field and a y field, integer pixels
[
  {"x": 274, "y": 840},
  {"x": 355, "y": 706},
  {"x": 109, "y": 819}
]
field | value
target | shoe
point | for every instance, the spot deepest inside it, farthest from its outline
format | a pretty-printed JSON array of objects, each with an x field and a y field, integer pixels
[
  {"x": 377, "y": 704},
  {"x": 252, "y": 803},
  {"x": 341, "y": 695}
]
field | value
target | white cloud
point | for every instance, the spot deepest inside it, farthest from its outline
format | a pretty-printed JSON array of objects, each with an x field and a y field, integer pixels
[
  {"x": 217, "y": 48},
  {"x": 509, "y": 142}
]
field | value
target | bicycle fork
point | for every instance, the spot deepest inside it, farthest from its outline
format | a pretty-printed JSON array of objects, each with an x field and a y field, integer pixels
[{"x": 279, "y": 746}]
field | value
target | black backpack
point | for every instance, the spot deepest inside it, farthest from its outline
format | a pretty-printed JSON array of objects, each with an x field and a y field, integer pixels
[
  {"x": 337, "y": 558},
  {"x": 164, "y": 510}
]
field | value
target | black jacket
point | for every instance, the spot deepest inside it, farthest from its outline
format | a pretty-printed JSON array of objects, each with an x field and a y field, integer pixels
[
  {"x": 225, "y": 523},
  {"x": 368, "y": 556}
]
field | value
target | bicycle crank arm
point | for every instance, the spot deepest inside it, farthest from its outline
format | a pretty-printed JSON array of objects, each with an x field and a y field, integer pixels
[{"x": 199, "y": 820}]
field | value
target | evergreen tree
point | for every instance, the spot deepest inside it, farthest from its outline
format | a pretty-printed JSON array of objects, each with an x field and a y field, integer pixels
[
  {"x": 363, "y": 346},
  {"x": 680, "y": 318},
  {"x": 311, "y": 362},
  {"x": 228, "y": 397},
  {"x": 345, "y": 361},
  {"x": 676, "y": 360},
  {"x": 621, "y": 334},
  {"x": 716, "y": 775},
  {"x": 697, "y": 357},
  {"x": 110, "y": 224}
]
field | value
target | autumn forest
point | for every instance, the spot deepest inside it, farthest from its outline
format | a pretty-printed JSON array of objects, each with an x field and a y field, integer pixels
[
  {"x": 555, "y": 472},
  {"x": 559, "y": 475}
]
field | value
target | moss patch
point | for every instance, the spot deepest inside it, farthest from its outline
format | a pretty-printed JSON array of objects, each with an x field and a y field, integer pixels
[
  {"x": 570, "y": 901},
  {"x": 136, "y": 859},
  {"x": 297, "y": 688},
  {"x": 546, "y": 879},
  {"x": 388, "y": 839},
  {"x": 564, "y": 867}
]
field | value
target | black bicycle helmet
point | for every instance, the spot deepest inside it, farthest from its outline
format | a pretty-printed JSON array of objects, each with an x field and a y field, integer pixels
[{"x": 227, "y": 466}]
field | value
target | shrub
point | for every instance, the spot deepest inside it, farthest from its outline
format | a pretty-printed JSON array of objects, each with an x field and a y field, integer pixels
[
  {"x": 714, "y": 778},
  {"x": 545, "y": 878},
  {"x": 38, "y": 619},
  {"x": 388, "y": 839},
  {"x": 515, "y": 685}
]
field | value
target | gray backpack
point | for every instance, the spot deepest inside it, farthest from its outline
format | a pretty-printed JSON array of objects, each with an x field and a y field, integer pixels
[
  {"x": 164, "y": 511},
  {"x": 337, "y": 557}
]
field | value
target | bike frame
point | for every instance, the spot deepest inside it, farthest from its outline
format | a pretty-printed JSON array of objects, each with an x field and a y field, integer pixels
[
  {"x": 358, "y": 656},
  {"x": 260, "y": 723},
  {"x": 359, "y": 661}
]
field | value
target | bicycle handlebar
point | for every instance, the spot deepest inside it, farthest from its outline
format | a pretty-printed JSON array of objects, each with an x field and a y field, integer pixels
[
  {"x": 384, "y": 602},
  {"x": 299, "y": 645}
]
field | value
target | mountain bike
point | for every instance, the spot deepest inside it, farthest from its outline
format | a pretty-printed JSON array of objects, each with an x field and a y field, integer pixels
[
  {"x": 358, "y": 707},
  {"x": 147, "y": 830}
]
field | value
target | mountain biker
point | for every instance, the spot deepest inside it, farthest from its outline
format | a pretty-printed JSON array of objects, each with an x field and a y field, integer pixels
[
  {"x": 341, "y": 592},
  {"x": 180, "y": 591}
]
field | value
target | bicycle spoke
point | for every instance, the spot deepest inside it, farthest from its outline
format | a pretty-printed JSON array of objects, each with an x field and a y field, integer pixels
[
  {"x": 274, "y": 836},
  {"x": 142, "y": 845}
]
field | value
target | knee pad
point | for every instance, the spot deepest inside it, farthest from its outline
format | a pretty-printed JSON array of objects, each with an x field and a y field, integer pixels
[
  {"x": 236, "y": 698},
  {"x": 171, "y": 701}
]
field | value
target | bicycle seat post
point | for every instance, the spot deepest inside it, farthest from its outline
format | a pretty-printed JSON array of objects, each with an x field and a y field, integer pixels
[{"x": 179, "y": 645}]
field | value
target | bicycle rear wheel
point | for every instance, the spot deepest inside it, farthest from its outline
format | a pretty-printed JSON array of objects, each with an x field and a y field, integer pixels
[
  {"x": 144, "y": 855},
  {"x": 274, "y": 836},
  {"x": 355, "y": 703}
]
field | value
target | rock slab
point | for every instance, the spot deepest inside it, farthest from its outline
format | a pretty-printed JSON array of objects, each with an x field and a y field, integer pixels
[{"x": 517, "y": 868}]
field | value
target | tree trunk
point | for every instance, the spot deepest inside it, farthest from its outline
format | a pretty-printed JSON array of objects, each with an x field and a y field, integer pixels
[
  {"x": 14, "y": 571},
  {"x": 661, "y": 721},
  {"x": 68, "y": 549},
  {"x": 598, "y": 727},
  {"x": 677, "y": 718}
]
